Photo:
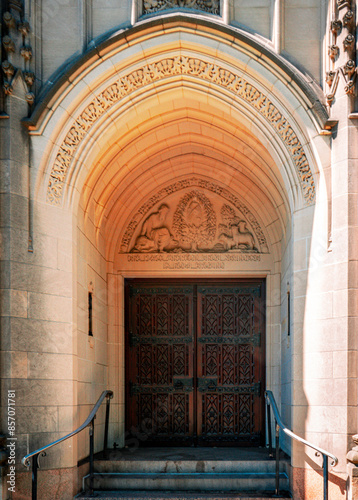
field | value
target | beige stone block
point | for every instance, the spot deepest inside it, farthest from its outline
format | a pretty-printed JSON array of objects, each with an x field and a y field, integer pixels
[
  {"x": 50, "y": 366},
  {"x": 299, "y": 309},
  {"x": 40, "y": 336},
  {"x": 50, "y": 307},
  {"x": 41, "y": 279},
  {"x": 340, "y": 361},
  {"x": 326, "y": 419},
  {"x": 100, "y": 352},
  {"x": 13, "y": 303},
  {"x": 13, "y": 364},
  {"x": 318, "y": 365},
  {"x": 61, "y": 455},
  {"x": 84, "y": 393},
  {"x": 99, "y": 374},
  {"x": 319, "y": 306},
  {"x": 67, "y": 418},
  {"x": 37, "y": 419},
  {"x": 85, "y": 370},
  {"x": 39, "y": 392}
]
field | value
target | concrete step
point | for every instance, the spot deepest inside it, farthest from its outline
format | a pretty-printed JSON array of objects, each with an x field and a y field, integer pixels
[
  {"x": 185, "y": 466},
  {"x": 168, "y": 495},
  {"x": 183, "y": 481}
]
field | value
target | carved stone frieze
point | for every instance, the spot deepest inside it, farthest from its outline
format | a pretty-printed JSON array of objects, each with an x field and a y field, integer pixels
[
  {"x": 193, "y": 215},
  {"x": 210, "y": 6},
  {"x": 169, "y": 67}
]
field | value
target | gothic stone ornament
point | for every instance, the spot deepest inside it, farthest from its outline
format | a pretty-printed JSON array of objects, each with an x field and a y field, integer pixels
[
  {"x": 177, "y": 66},
  {"x": 210, "y": 6},
  {"x": 195, "y": 222},
  {"x": 343, "y": 68}
]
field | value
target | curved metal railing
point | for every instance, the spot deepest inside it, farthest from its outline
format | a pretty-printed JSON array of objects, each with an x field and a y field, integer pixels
[
  {"x": 89, "y": 422},
  {"x": 271, "y": 402}
]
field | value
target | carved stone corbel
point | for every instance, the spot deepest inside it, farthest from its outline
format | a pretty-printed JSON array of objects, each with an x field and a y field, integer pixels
[
  {"x": 7, "y": 87},
  {"x": 336, "y": 26},
  {"x": 29, "y": 78},
  {"x": 26, "y": 52},
  {"x": 333, "y": 51},
  {"x": 24, "y": 28},
  {"x": 30, "y": 98},
  {"x": 349, "y": 42},
  {"x": 348, "y": 19},
  {"x": 330, "y": 77},
  {"x": 8, "y": 44},
  {"x": 350, "y": 68},
  {"x": 9, "y": 20},
  {"x": 8, "y": 69},
  {"x": 349, "y": 89}
]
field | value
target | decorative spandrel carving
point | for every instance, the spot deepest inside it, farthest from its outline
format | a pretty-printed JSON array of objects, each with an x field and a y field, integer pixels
[
  {"x": 210, "y": 6},
  {"x": 178, "y": 66},
  {"x": 193, "y": 222}
]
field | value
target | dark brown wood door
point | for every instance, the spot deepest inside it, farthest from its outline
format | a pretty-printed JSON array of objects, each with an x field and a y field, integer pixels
[{"x": 195, "y": 363}]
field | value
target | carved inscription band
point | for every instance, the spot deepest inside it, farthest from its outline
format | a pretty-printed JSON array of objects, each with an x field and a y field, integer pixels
[{"x": 180, "y": 65}]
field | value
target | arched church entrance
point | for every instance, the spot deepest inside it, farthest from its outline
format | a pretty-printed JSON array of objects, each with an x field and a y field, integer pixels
[
  {"x": 195, "y": 357},
  {"x": 182, "y": 171}
]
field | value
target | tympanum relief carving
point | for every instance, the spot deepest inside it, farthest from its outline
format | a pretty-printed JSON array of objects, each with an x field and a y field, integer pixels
[
  {"x": 194, "y": 221},
  {"x": 210, "y": 6}
]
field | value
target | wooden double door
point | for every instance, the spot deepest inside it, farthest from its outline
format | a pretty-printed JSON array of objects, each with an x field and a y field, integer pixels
[{"x": 195, "y": 365}]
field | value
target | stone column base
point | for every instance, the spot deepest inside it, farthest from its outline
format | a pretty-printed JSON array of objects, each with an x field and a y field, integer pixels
[{"x": 58, "y": 484}]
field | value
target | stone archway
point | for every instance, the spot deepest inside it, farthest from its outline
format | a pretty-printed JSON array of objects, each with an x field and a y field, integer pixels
[{"x": 145, "y": 119}]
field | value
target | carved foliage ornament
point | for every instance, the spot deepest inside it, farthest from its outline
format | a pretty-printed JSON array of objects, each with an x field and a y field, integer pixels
[
  {"x": 210, "y": 6},
  {"x": 195, "y": 68},
  {"x": 342, "y": 53}
]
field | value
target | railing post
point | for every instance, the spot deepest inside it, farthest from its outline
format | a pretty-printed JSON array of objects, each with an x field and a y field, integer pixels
[
  {"x": 91, "y": 434},
  {"x": 325, "y": 477},
  {"x": 34, "y": 477},
  {"x": 269, "y": 429},
  {"x": 105, "y": 444},
  {"x": 277, "y": 489}
]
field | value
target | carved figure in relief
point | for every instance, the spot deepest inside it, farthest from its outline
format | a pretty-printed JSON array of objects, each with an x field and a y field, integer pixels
[
  {"x": 155, "y": 235},
  {"x": 238, "y": 237}
]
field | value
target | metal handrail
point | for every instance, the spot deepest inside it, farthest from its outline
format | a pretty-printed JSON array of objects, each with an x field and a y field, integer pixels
[
  {"x": 89, "y": 422},
  {"x": 270, "y": 401}
]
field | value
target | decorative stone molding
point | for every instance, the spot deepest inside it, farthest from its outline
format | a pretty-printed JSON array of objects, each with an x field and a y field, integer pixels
[
  {"x": 17, "y": 51},
  {"x": 165, "y": 68},
  {"x": 193, "y": 215},
  {"x": 210, "y": 6},
  {"x": 342, "y": 52}
]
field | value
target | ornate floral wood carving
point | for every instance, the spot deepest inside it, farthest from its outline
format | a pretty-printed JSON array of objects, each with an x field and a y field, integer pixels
[
  {"x": 213, "y": 220},
  {"x": 193, "y": 68},
  {"x": 210, "y": 6}
]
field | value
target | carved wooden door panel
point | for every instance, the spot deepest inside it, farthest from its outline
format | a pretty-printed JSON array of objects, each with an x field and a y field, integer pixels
[
  {"x": 195, "y": 363},
  {"x": 230, "y": 365},
  {"x": 160, "y": 364}
]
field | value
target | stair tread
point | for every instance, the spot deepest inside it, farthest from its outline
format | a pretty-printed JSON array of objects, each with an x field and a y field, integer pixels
[
  {"x": 199, "y": 475},
  {"x": 187, "y": 495}
]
